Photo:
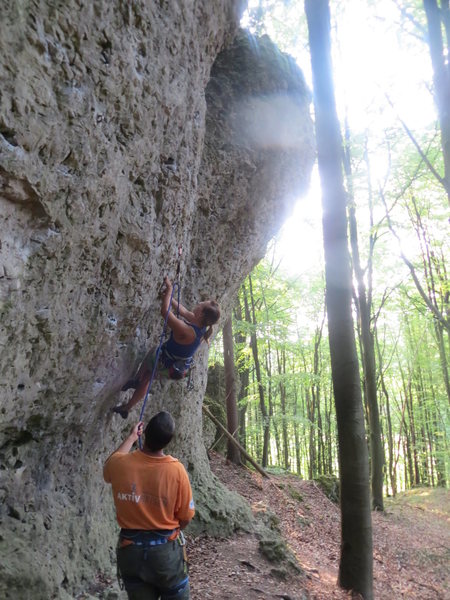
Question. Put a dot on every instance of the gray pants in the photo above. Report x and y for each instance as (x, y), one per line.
(155, 572)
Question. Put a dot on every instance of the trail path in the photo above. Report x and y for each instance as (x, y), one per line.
(411, 545)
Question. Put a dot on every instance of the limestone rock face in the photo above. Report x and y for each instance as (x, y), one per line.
(127, 130)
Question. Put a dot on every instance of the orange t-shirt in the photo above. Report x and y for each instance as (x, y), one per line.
(149, 492)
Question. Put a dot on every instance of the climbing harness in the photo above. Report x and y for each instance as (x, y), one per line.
(146, 538)
(178, 366)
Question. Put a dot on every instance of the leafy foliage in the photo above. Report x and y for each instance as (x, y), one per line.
(401, 211)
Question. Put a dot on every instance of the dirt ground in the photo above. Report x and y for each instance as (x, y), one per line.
(411, 545)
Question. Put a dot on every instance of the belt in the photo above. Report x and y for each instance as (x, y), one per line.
(146, 538)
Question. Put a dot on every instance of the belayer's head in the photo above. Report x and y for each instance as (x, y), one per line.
(159, 431)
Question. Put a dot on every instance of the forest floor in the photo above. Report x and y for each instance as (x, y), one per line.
(411, 544)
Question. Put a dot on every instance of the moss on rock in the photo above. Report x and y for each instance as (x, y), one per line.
(329, 484)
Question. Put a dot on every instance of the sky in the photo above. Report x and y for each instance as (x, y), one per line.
(371, 58)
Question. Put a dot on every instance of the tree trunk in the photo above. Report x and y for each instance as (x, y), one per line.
(368, 344)
(441, 76)
(296, 434)
(312, 437)
(443, 357)
(329, 402)
(440, 452)
(281, 356)
(233, 453)
(390, 437)
(437, 285)
(315, 392)
(244, 377)
(356, 568)
(408, 470)
(320, 443)
(413, 434)
(262, 402)
(272, 421)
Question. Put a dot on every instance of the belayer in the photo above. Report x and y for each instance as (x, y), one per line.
(187, 331)
(153, 501)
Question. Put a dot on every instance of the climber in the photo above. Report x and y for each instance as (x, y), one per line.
(153, 500)
(188, 330)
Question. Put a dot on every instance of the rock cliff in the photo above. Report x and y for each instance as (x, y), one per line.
(127, 129)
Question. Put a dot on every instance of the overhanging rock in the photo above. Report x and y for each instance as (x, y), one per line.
(116, 147)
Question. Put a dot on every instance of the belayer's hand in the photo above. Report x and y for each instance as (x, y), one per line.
(138, 430)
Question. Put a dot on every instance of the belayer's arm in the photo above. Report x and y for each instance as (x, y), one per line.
(127, 444)
(184, 524)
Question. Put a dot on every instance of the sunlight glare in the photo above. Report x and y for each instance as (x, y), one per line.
(299, 243)
(373, 60)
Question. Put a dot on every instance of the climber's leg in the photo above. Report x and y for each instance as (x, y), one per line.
(131, 384)
(142, 382)
(146, 365)
(139, 392)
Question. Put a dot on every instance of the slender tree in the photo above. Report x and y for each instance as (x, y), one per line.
(438, 18)
(389, 434)
(355, 568)
(233, 453)
(364, 303)
(281, 362)
(262, 401)
(243, 370)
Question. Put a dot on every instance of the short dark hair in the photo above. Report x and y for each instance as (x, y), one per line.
(159, 431)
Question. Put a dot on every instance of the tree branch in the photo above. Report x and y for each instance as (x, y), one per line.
(233, 441)
(424, 157)
(437, 314)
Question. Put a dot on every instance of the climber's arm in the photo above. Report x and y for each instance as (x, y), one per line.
(182, 310)
(183, 333)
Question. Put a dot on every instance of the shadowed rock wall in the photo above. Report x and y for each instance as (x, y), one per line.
(116, 147)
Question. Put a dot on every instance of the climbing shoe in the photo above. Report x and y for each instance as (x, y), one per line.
(121, 411)
(131, 384)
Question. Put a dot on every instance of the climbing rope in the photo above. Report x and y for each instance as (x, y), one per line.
(176, 285)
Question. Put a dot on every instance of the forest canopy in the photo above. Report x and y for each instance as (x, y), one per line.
(397, 184)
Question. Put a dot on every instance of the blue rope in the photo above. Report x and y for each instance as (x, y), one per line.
(161, 341)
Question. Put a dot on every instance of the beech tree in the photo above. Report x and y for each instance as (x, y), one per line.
(355, 568)
(258, 373)
(233, 453)
(363, 295)
(243, 370)
(438, 21)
